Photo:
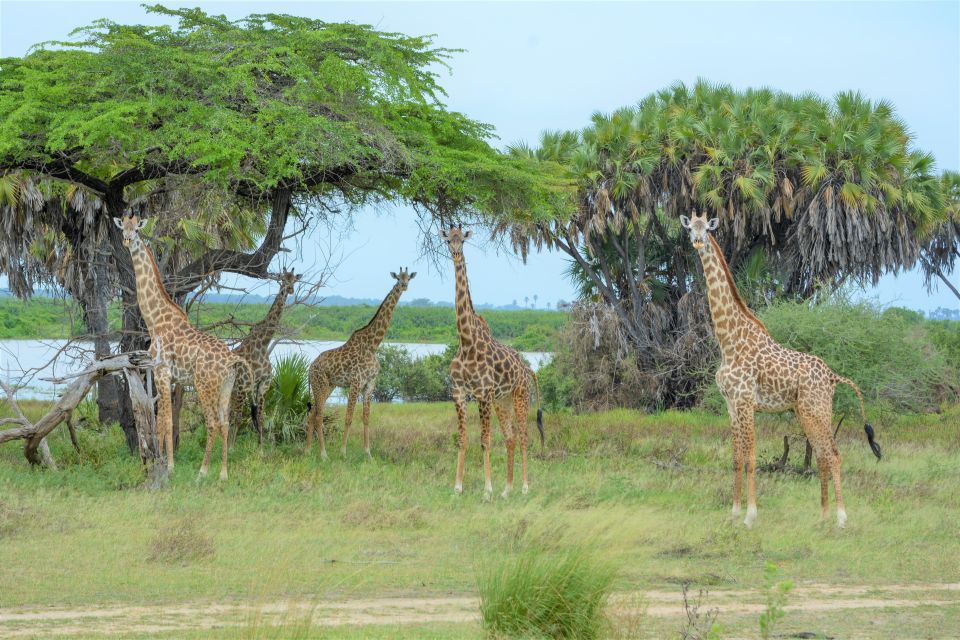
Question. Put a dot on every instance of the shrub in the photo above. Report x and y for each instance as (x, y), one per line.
(561, 594)
(285, 407)
(557, 388)
(395, 362)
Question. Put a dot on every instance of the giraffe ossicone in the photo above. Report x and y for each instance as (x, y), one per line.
(758, 374)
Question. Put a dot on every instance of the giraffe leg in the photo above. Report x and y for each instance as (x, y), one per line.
(208, 404)
(348, 418)
(223, 412)
(737, 459)
(506, 427)
(749, 451)
(367, 397)
(460, 403)
(837, 492)
(161, 378)
(485, 411)
(520, 402)
(824, 468)
(315, 420)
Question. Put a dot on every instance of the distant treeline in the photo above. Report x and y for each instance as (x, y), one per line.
(527, 330)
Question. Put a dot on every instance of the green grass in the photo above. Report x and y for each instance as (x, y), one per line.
(544, 591)
(286, 525)
(527, 330)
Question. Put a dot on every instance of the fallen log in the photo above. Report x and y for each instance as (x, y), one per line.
(130, 365)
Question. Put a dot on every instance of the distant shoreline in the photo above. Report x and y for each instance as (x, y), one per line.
(525, 329)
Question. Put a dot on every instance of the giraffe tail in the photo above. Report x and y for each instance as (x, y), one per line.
(536, 382)
(867, 427)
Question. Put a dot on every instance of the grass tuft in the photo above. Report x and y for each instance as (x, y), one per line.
(558, 594)
(181, 543)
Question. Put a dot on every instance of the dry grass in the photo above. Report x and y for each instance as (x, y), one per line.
(181, 543)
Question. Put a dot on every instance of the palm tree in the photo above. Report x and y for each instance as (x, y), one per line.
(821, 191)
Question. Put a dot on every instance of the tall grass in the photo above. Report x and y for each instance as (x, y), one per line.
(288, 399)
(558, 594)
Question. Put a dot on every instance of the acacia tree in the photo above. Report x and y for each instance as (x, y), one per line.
(810, 192)
(272, 114)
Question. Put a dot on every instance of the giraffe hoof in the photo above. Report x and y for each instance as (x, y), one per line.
(505, 494)
(735, 512)
(458, 489)
(841, 519)
(525, 490)
(487, 495)
(324, 456)
(369, 455)
(751, 517)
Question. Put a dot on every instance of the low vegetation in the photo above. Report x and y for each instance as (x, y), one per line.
(657, 486)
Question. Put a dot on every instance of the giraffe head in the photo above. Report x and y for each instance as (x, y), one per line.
(454, 237)
(403, 278)
(699, 227)
(130, 226)
(287, 280)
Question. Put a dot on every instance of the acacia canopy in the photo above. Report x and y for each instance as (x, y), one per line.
(270, 100)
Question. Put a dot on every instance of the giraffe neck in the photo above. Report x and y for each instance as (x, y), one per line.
(732, 320)
(262, 333)
(466, 316)
(372, 335)
(152, 297)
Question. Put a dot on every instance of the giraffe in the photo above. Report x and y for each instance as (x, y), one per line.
(183, 353)
(758, 374)
(491, 373)
(255, 349)
(352, 366)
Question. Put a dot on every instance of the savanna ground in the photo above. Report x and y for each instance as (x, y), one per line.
(290, 546)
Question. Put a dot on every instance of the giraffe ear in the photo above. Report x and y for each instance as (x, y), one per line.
(393, 275)
(685, 222)
(141, 224)
(713, 224)
(467, 234)
(118, 222)
(413, 275)
(444, 235)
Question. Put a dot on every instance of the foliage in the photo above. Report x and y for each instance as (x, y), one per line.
(557, 388)
(287, 399)
(425, 379)
(557, 594)
(776, 600)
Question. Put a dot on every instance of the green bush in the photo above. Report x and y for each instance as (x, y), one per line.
(558, 594)
(395, 362)
(285, 407)
(556, 387)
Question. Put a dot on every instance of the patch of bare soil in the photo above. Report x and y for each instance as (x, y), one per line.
(169, 618)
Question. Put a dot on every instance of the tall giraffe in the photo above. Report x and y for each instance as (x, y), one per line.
(758, 374)
(184, 353)
(491, 373)
(255, 349)
(352, 366)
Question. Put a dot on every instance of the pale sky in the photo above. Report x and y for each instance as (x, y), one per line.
(535, 66)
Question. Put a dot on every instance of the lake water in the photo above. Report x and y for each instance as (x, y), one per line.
(18, 356)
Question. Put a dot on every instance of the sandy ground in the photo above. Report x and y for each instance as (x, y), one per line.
(170, 618)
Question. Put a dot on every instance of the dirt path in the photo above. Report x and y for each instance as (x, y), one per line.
(93, 620)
